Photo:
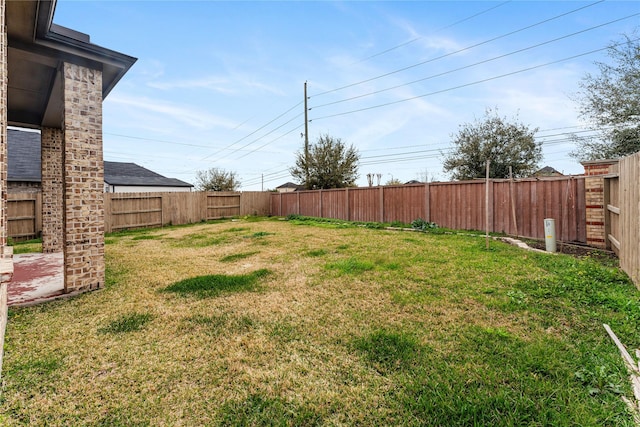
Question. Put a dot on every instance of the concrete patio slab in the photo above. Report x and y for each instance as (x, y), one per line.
(37, 278)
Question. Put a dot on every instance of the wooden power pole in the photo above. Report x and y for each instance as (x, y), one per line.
(306, 139)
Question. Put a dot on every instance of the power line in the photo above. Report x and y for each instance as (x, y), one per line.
(253, 133)
(266, 134)
(434, 32)
(457, 51)
(270, 142)
(467, 84)
(444, 73)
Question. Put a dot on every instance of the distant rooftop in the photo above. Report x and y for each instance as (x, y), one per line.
(24, 164)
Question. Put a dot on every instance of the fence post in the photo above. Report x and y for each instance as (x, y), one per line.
(320, 195)
(346, 197)
(606, 192)
(427, 205)
(381, 203)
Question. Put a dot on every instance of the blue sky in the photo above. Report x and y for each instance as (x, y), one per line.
(220, 84)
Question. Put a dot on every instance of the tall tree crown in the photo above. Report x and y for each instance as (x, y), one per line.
(610, 103)
(504, 143)
(330, 164)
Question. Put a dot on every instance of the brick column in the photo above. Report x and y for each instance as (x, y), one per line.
(6, 261)
(3, 128)
(83, 179)
(594, 200)
(52, 190)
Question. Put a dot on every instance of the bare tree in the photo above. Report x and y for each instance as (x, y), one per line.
(216, 179)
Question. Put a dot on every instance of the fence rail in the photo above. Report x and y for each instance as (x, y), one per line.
(515, 207)
(138, 210)
(24, 215)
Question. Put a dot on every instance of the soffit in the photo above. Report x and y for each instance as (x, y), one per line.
(37, 49)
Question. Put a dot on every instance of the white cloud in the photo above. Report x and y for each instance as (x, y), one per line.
(186, 115)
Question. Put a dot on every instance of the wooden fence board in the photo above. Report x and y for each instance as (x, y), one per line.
(457, 205)
(629, 221)
(24, 218)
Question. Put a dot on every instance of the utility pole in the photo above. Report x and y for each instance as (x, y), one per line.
(306, 138)
(262, 185)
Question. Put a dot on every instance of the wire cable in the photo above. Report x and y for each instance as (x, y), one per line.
(444, 73)
(467, 84)
(457, 51)
(434, 32)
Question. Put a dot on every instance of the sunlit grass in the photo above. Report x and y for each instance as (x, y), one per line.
(337, 324)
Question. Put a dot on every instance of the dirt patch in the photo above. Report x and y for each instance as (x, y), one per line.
(579, 251)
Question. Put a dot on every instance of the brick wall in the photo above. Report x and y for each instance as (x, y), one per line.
(83, 179)
(52, 190)
(594, 199)
(3, 127)
(600, 167)
(6, 263)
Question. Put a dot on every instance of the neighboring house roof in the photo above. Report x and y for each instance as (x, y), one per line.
(291, 185)
(413, 181)
(23, 152)
(24, 162)
(117, 173)
(547, 171)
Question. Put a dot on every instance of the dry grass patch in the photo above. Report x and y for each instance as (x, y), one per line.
(351, 326)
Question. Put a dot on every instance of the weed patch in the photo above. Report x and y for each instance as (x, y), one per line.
(391, 351)
(217, 284)
(198, 240)
(148, 237)
(219, 324)
(259, 235)
(257, 410)
(350, 266)
(27, 246)
(127, 323)
(235, 229)
(236, 257)
(316, 253)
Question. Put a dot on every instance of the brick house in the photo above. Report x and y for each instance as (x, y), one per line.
(54, 79)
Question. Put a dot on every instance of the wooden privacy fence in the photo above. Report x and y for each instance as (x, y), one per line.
(24, 215)
(515, 207)
(622, 215)
(137, 210)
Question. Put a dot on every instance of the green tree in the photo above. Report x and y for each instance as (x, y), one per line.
(331, 164)
(504, 143)
(610, 103)
(216, 179)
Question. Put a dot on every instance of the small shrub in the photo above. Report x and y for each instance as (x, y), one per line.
(422, 225)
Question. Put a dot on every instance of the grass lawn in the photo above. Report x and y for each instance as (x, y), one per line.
(275, 323)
